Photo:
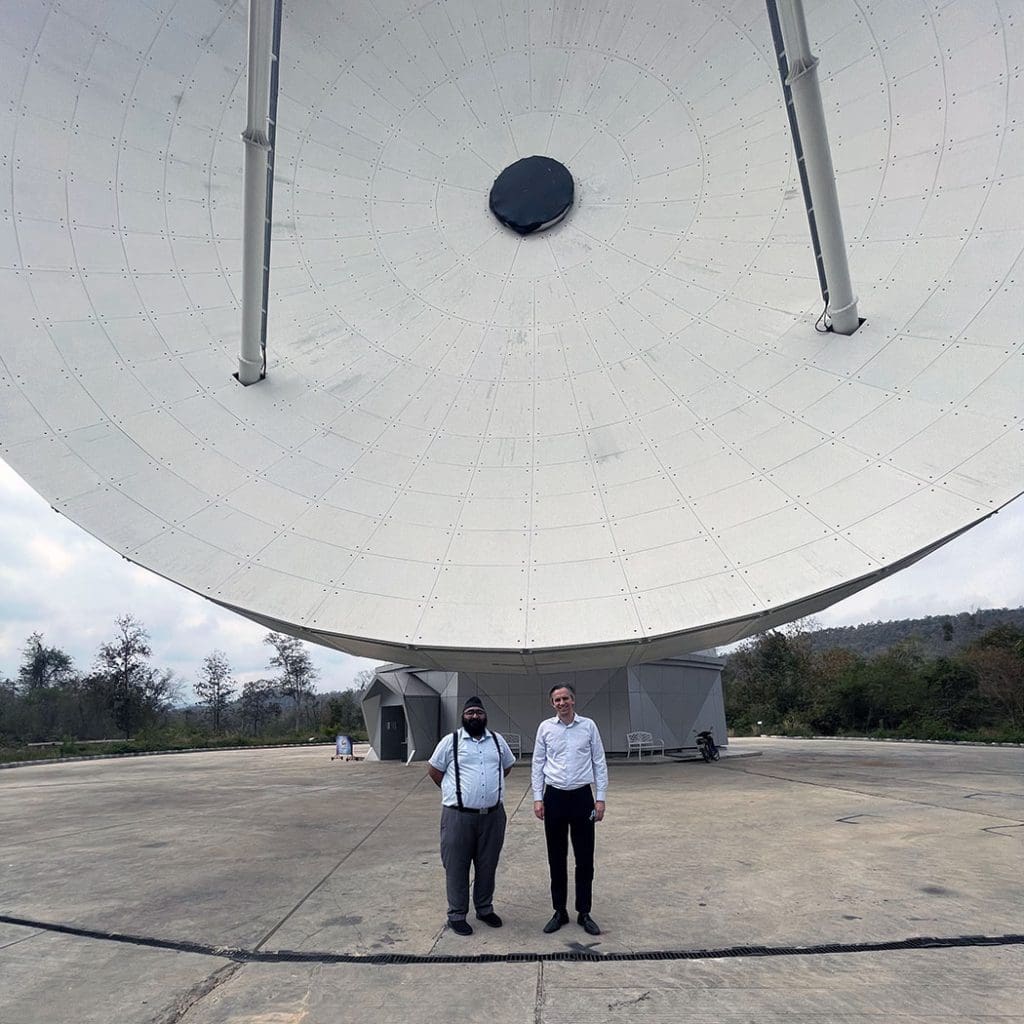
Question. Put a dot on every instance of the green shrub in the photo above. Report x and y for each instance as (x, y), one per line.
(793, 725)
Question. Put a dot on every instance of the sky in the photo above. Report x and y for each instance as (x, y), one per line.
(58, 580)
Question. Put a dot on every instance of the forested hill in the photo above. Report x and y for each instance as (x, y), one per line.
(938, 635)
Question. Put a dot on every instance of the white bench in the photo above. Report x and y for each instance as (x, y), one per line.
(515, 743)
(641, 741)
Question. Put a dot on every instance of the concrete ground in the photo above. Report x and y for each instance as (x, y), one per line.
(814, 842)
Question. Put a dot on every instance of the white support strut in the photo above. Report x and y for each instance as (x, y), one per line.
(254, 216)
(821, 176)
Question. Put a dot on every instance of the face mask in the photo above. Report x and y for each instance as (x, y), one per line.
(474, 726)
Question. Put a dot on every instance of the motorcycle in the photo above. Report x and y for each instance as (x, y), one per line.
(707, 746)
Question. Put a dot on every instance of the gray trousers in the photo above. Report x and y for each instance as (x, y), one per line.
(470, 839)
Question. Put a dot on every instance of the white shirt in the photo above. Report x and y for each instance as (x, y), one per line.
(568, 757)
(480, 772)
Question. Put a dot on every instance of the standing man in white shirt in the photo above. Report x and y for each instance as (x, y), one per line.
(470, 766)
(568, 757)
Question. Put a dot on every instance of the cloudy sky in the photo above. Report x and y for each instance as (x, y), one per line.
(58, 580)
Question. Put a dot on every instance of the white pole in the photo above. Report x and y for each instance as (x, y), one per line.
(821, 176)
(254, 213)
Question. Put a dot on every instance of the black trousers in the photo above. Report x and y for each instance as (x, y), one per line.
(567, 815)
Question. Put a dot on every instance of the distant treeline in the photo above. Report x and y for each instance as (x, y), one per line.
(935, 635)
(793, 682)
(123, 694)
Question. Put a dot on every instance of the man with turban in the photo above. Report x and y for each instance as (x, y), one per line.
(470, 766)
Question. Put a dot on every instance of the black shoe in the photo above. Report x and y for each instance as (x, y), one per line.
(559, 918)
(588, 924)
(492, 919)
(461, 927)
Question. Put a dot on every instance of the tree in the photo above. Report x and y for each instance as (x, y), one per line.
(894, 686)
(913, 686)
(345, 713)
(362, 679)
(42, 676)
(215, 686)
(43, 667)
(9, 709)
(952, 695)
(1000, 675)
(161, 690)
(124, 662)
(297, 670)
(257, 704)
(997, 659)
(768, 680)
(91, 706)
(835, 696)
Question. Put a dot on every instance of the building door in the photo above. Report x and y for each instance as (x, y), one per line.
(392, 733)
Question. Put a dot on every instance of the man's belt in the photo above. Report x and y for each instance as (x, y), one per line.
(474, 810)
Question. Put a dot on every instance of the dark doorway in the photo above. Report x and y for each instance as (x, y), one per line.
(392, 734)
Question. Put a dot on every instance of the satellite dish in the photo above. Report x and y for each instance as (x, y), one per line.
(612, 440)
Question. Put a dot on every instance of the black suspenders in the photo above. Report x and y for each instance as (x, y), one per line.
(455, 758)
(458, 780)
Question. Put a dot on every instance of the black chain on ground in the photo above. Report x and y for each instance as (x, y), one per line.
(564, 956)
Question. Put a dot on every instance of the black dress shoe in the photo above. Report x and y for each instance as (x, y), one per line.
(492, 919)
(461, 927)
(559, 918)
(588, 924)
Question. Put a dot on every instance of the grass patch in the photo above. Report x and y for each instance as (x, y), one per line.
(155, 741)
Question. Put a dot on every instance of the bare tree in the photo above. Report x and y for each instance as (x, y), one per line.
(215, 686)
(362, 679)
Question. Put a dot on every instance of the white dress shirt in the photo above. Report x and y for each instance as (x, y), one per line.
(568, 757)
(480, 771)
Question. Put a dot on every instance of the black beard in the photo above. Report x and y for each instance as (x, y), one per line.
(474, 726)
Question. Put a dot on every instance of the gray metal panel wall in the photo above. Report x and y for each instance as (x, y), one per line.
(674, 701)
(421, 722)
(671, 699)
